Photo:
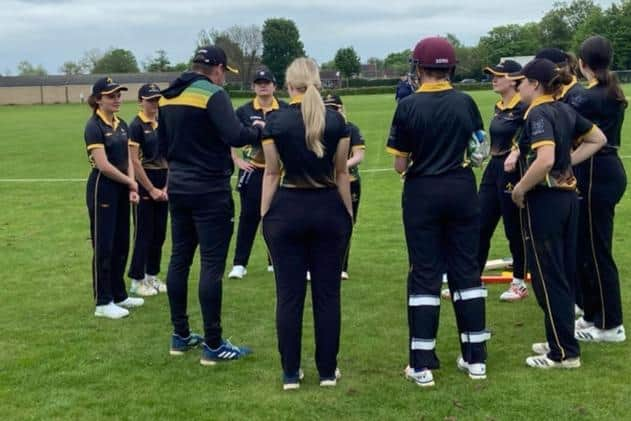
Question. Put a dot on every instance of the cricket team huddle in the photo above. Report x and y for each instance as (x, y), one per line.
(552, 174)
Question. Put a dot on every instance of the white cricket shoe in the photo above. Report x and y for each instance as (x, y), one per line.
(541, 348)
(131, 302)
(142, 288)
(516, 292)
(593, 334)
(330, 382)
(111, 311)
(344, 275)
(308, 276)
(542, 361)
(476, 371)
(578, 312)
(423, 378)
(237, 272)
(582, 324)
(156, 283)
(270, 268)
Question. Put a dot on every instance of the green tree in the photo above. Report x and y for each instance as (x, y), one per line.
(25, 68)
(508, 40)
(158, 63)
(281, 45)
(398, 62)
(117, 61)
(347, 62)
(70, 68)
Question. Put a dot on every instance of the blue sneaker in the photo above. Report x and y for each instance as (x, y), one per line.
(292, 382)
(226, 352)
(180, 345)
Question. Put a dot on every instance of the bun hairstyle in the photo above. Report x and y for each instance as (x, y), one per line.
(303, 75)
(596, 53)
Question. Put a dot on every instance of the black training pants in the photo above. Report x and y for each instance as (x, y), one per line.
(441, 220)
(307, 229)
(108, 207)
(205, 220)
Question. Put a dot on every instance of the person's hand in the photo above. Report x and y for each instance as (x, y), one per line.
(133, 186)
(518, 195)
(165, 193)
(260, 123)
(244, 165)
(157, 195)
(133, 197)
(510, 163)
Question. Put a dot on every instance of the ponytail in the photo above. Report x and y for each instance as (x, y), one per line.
(303, 74)
(609, 80)
(92, 102)
(597, 54)
(313, 112)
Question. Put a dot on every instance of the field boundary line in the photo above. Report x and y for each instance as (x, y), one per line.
(77, 180)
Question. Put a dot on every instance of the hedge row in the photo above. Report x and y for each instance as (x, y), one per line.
(373, 90)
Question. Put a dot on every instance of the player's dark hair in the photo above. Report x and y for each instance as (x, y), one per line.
(92, 102)
(202, 68)
(597, 54)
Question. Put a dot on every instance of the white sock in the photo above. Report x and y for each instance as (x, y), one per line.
(519, 282)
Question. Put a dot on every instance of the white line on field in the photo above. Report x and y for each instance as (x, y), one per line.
(77, 180)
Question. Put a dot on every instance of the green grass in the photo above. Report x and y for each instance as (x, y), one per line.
(57, 361)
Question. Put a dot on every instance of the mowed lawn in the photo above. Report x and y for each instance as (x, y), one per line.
(57, 361)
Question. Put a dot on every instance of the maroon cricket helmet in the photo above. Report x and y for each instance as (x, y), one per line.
(434, 53)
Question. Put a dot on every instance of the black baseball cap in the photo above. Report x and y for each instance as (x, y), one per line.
(540, 69)
(504, 68)
(555, 55)
(264, 74)
(149, 91)
(106, 86)
(214, 56)
(333, 101)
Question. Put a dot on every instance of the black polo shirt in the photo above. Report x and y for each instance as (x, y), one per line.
(554, 123)
(111, 136)
(143, 133)
(605, 112)
(301, 166)
(505, 125)
(248, 113)
(573, 94)
(357, 143)
(432, 128)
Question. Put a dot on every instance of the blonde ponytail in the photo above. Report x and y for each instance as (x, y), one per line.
(303, 74)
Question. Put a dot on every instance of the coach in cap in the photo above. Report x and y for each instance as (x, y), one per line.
(197, 127)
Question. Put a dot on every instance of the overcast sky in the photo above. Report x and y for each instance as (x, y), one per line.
(49, 32)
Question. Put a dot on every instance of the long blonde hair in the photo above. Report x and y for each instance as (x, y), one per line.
(303, 75)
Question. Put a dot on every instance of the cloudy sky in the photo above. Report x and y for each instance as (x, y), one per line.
(49, 32)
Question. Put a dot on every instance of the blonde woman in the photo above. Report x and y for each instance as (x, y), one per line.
(307, 219)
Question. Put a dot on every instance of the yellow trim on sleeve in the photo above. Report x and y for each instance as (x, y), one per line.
(396, 152)
(542, 143)
(584, 135)
(95, 146)
(134, 144)
(268, 141)
(359, 147)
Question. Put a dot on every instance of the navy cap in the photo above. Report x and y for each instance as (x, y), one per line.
(106, 86)
(333, 101)
(149, 91)
(214, 56)
(555, 55)
(504, 68)
(264, 74)
(540, 69)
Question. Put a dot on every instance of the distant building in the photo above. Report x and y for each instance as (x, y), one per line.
(523, 60)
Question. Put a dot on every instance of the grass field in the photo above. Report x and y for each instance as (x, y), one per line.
(57, 361)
